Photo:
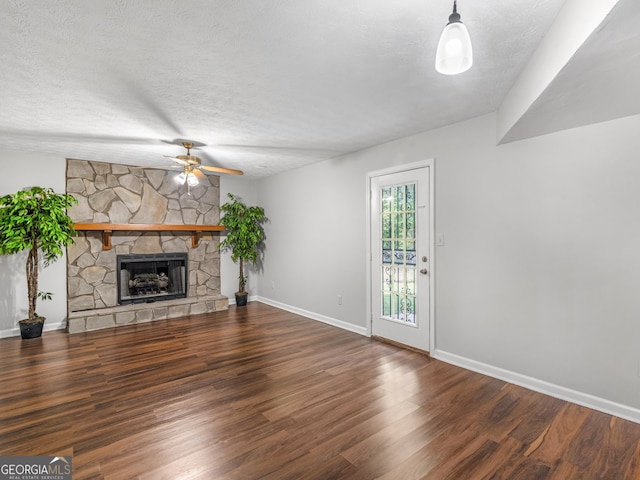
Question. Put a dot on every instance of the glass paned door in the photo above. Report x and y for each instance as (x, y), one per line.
(398, 245)
(400, 257)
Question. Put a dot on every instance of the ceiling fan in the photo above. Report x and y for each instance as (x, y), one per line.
(192, 167)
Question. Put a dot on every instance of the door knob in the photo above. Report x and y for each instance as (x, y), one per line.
(424, 271)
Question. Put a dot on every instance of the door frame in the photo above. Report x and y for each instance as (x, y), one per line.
(430, 163)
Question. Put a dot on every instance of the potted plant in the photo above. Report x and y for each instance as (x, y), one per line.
(36, 220)
(244, 237)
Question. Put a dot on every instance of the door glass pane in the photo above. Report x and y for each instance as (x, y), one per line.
(410, 310)
(411, 197)
(398, 199)
(411, 281)
(387, 197)
(386, 279)
(386, 305)
(386, 225)
(411, 225)
(399, 256)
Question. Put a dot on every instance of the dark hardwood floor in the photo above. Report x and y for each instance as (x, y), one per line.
(259, 393)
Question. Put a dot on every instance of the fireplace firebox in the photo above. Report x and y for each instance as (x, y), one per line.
(151, 277)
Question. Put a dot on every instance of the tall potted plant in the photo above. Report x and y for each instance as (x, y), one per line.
(36, 220)
(244, 237)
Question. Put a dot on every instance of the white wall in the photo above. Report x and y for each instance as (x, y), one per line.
(25, 170)
(229, 271)
(316, 239)
(539, 272)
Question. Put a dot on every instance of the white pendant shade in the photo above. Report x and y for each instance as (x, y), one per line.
(454, 54)
(192, 180)
(181, 178)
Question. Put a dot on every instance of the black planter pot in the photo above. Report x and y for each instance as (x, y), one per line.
(241, 299)
(31, 328)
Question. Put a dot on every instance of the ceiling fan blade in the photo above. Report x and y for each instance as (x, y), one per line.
(199, 174)
(222, 170)
(176, 159)
(156, 167)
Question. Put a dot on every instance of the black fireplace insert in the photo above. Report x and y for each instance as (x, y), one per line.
(147, 278)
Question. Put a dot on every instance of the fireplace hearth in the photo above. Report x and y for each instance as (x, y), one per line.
(148, 278)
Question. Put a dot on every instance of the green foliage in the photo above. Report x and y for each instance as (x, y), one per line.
(244, 233)
(35, 220)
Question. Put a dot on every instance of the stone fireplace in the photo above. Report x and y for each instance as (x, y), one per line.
(123, 195)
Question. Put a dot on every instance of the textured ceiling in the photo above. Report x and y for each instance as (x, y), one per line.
(265, 85)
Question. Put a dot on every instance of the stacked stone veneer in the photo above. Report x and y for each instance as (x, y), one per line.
(112, 193)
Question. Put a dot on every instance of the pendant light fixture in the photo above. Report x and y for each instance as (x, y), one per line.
(454, 54)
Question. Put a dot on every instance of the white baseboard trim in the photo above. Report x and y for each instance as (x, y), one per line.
(586, 400)
(315, 316)
(48, 326)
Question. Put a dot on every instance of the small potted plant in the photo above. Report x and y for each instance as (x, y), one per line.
(243, 225)
(36, 220)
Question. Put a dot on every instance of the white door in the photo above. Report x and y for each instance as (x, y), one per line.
(400, 257)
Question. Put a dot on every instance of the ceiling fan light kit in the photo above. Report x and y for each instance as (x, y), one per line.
(193, 167)
(189, 178)
(455, 53)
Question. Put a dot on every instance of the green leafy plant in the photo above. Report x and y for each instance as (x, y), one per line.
(36, 220)
(244, 234)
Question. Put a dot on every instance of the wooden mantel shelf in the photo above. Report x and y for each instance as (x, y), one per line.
(108, 228)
